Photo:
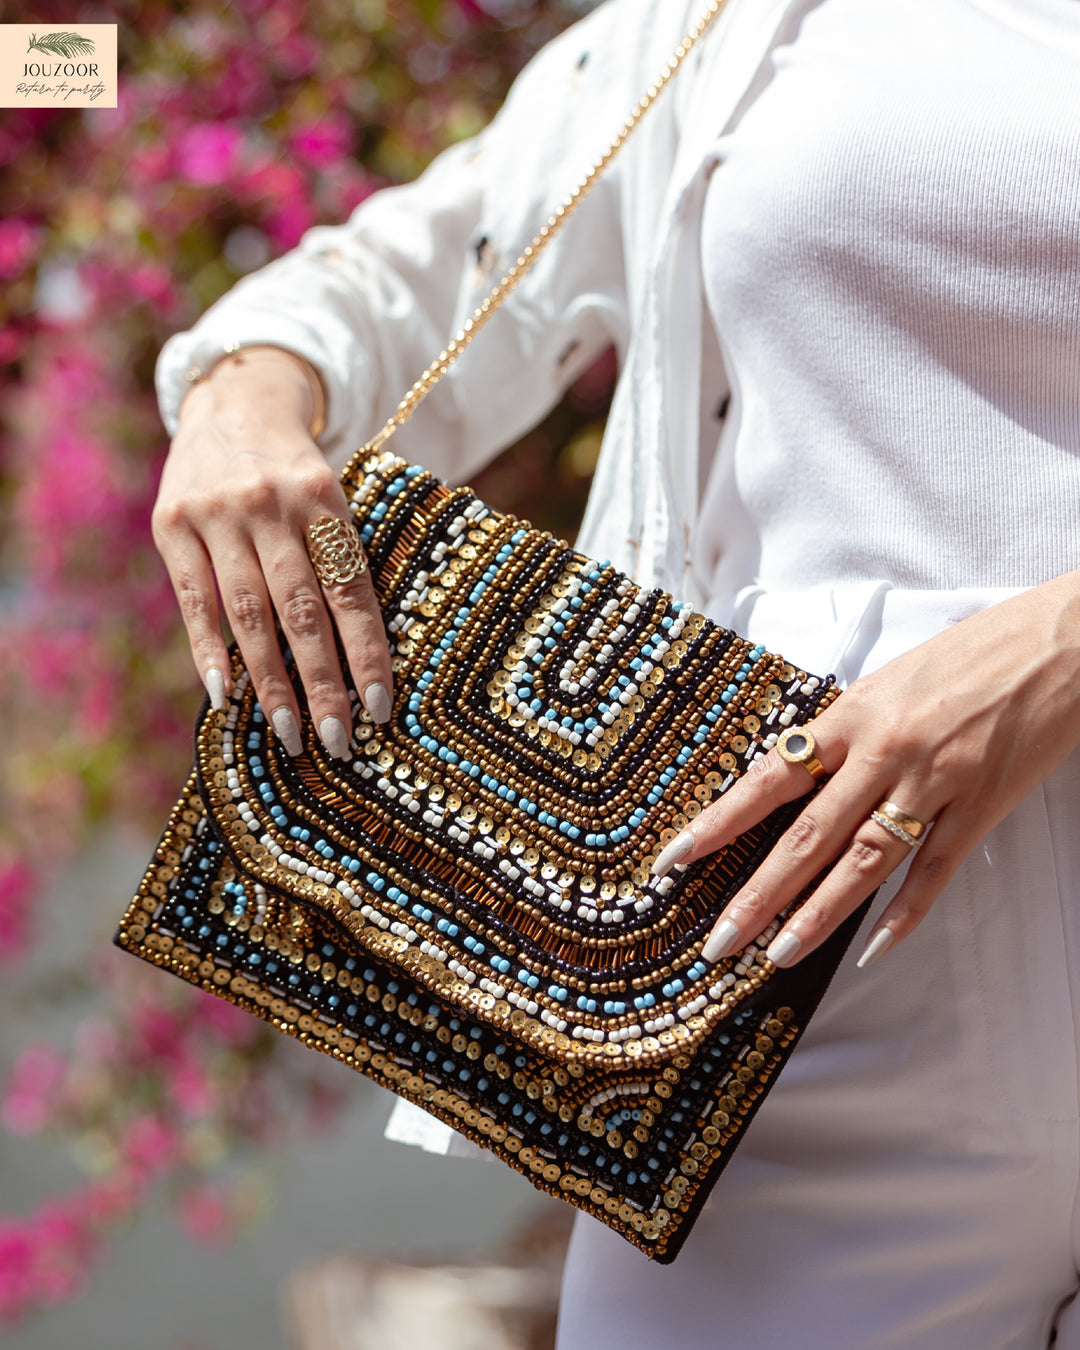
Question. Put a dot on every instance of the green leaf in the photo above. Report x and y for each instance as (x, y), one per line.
(62, 44)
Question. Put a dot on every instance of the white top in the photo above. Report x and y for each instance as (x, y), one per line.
(891, 245)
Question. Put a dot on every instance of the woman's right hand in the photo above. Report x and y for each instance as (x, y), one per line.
(242, 482)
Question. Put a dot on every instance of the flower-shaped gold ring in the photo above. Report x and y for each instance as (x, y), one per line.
(336, 552)
(796, 745)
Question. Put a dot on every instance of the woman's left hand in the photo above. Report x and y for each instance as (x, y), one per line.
(955, 732)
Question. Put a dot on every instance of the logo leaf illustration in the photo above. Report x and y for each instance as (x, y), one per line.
(61, 44)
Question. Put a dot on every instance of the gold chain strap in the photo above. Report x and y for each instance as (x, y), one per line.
(532, 251)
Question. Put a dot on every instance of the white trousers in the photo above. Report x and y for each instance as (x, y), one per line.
(911, 1181)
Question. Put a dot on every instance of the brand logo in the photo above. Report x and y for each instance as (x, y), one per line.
(67, 45)
(50, 68)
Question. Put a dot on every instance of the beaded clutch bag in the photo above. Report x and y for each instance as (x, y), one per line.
(465, 911)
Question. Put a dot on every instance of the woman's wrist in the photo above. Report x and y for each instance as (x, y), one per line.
(269, 371)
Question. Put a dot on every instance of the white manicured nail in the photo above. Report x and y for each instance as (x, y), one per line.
(288, 733)
(215, 687)
(878, 945)
(783, 949)
(722, 941)
(377, 702)
(675, 852)
(335, 738)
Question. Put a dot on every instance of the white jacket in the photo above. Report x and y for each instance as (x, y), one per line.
(371, 301)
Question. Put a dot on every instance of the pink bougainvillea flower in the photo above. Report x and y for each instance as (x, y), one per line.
(192, 1090)
(322, 143)
(16, 1267)
(207, 153)
(32, 1088)
(295, 55)
(288, 222)
(19, 243)
(225, 1021)
(150, 164)
(149, 1142)
(16, 891)
(206, 1215)
(12, 340)
(158, 1034)
(72, 497)
(270, 180)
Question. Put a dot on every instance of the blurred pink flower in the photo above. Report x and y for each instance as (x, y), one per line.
(322, 143)
(225, 1021)
(295, 55)
(205, 1214)
(158, 1034)
(270, 180)
(16, 1267)
(96, 712)
(192, 1090)
(12, 340)
(149, 1142)
(58, 660)
(16, 889)
(32, 1088)
(114, 1198)
(70, 492)
(289, 221)
(96, 1040)
(19, 243)
(208, 153)
(150, 163)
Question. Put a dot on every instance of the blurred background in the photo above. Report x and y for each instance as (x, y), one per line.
(175, 1175)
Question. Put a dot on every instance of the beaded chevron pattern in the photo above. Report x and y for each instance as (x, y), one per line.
(465, 910)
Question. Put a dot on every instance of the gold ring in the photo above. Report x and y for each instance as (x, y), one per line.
(335, 550)
(796, 745)
(898, 830)
(897, 819)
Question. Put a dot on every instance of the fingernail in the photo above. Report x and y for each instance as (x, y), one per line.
(878, 945)
(288, 733)
(675, 852)
(335, 738)
(783, 949)
(377, 702)
(215, 687)
(722, 941)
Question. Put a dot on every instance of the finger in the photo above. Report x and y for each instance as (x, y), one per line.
(301, 608)
(359, 622)
(834, 828)
(248, 609)
(871, 857)
(931, 870)
(769, 784)
(192, 580)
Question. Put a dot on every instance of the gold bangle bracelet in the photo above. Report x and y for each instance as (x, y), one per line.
(318, 393)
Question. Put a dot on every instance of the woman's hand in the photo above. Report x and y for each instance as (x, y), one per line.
(956, 732)
(242, 482)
